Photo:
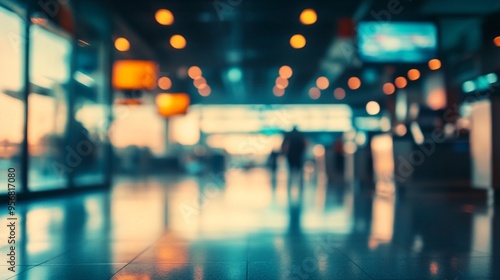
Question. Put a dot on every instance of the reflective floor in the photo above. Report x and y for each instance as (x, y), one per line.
(248, 226)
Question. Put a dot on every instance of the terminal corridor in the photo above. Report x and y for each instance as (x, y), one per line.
(245, 139)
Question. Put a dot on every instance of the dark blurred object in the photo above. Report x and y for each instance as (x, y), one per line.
(338, 149)
(272, 161)
(294, 146)
(217, 162)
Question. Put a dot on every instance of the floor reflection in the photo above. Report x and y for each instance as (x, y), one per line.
(252, 225)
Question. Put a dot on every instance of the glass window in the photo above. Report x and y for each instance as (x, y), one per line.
(51, 160)
(89, 130)
(11, 101)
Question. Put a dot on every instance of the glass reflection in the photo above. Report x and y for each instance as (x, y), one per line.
(11, 85)
(143, 221)
(49, 162)
(89, 124)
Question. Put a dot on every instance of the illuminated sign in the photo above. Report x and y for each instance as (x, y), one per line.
(171, 104)
(134, 74)
(273, 118)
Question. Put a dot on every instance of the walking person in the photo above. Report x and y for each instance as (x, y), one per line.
(294, 147)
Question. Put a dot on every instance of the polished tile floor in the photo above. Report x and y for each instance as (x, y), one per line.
(249, 226)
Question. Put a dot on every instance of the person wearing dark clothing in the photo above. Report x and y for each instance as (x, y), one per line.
(272, 164)
(339, 156)
(272, 161)
(294, 147)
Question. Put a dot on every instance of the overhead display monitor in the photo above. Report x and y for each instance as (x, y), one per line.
(399, 42)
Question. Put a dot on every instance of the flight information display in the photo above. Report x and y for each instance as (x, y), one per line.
(405, 42)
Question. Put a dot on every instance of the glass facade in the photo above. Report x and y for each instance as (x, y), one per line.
(66, 62)
(48, 110)
(89, 125)
(11, 87)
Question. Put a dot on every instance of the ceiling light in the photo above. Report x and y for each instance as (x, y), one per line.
(339, 93)
(205, 91)
(413, 74)
(164, 17)
(308, 17)
(164, 83)
(278, 91)
(400, 82)
(200, 82)
(122, 44)
(297, 41)
(178, 41)
(322, 83)
(354, 83)
(314, 93)
(281, 82)
(496, 41)
(194, 72)
(389, 88)
(434, 64)
(285, 71)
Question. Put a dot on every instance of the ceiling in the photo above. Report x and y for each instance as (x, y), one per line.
(254, 36)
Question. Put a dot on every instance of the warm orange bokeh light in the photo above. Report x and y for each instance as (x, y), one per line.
(436, 99)
(389, 88)
(200, 82)
(354, 83)
(322, 83)
(339, 93)
(122, 44)
(164, 17)
(278, 91)
(308, 17)
(205, 91)
(496, 41)
(178, 42)
(297, 41)
(413, 74)
(281, 82)
(314, 93)
(285, 71)
(194, 72)
(400, 82)
(169, 105)
(164, 83)
(400, 129)
(134, 74)
(434, 64)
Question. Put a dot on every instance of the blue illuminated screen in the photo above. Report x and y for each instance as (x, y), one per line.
(407, 42)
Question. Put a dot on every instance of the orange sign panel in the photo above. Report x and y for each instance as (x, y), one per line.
(134, 74)
(171, 104)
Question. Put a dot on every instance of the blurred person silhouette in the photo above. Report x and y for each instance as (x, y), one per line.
(272, 161)
(293, 147)
(272, 164)
(338, 149)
